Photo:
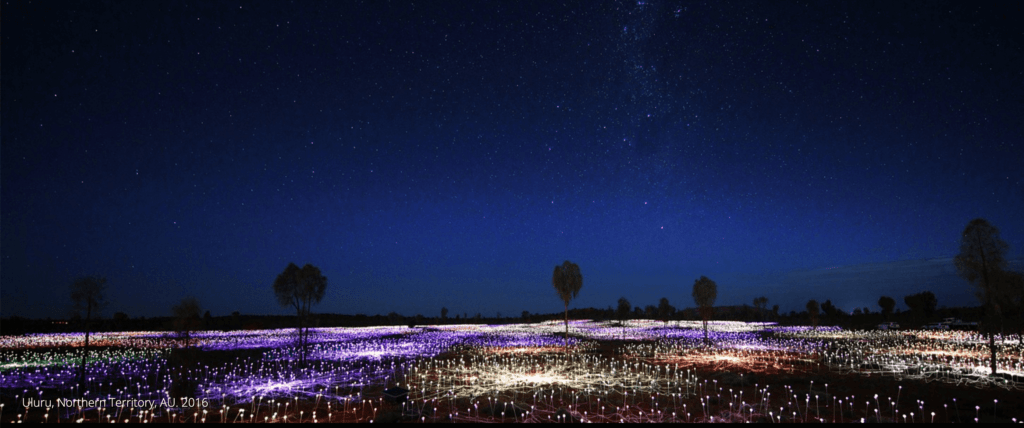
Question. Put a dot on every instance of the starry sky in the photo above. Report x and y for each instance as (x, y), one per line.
(429, 154)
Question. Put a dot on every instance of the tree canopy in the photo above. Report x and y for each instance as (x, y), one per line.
(567, 281)
(761, 303)
(813, 310)
(923, 303)
(186, 317)
(623, 309)
(665, 310)
(887, 304)
(300, 289)
(705, 291)
(982, 252)
(88, 293)
(188, 308)
(982, 263)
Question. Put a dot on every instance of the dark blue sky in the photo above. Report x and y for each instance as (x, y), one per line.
(438, 154)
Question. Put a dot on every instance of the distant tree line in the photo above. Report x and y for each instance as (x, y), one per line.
(981, 262)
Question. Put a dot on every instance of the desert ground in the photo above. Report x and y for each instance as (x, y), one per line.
(605, 371)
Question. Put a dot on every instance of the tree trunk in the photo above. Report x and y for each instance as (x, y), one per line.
(85, 349)
(85, 355)
(705, 322)
(302, 338)
(992, 351)
(305, 331)
(305, 336)
(567, 328)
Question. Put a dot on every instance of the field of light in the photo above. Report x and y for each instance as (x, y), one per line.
(640, 370)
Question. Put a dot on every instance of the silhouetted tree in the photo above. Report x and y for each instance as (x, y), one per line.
(622, 312)
(623, 309)
(300, 289)
(928, 303)
(980, 262)
(186, 318)
(665, 310)
(912, 303)
(775, 312)
(444, 313)
(921, 304)
(829, 309)
(761, 303)
(886, 303)
(567, 281)
(705, 291)
(812, 310)
(526, 316)
(88, 294)
(650, 312)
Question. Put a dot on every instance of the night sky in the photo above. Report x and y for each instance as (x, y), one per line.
(435, 154)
